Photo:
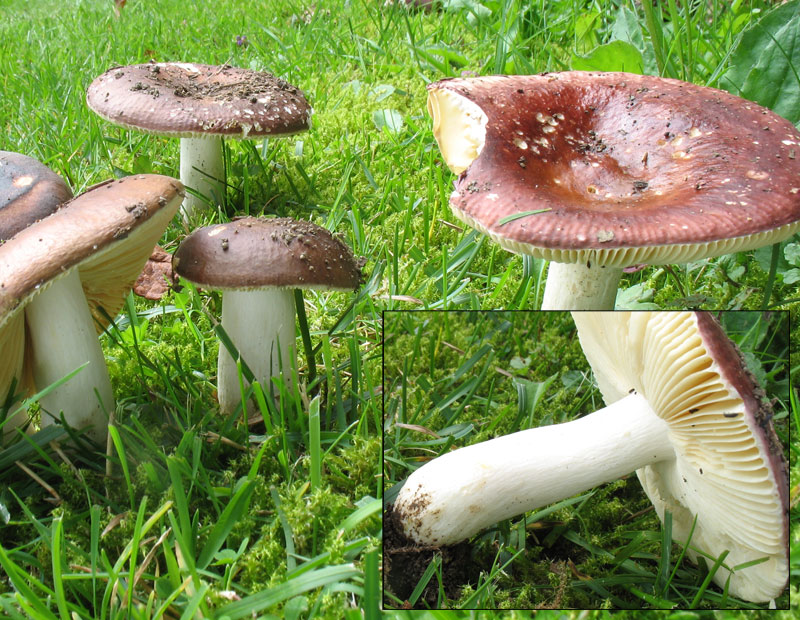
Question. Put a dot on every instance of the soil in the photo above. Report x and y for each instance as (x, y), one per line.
(404, 563)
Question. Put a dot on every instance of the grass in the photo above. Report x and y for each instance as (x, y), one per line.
(193, 514)
(455, 379)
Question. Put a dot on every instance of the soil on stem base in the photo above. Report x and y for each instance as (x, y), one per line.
(404, 563)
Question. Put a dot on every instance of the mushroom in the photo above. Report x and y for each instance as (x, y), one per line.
(201, 104)
(682, 410)
(601, 171)
(257, 263)
(60, 278)
(29, 191)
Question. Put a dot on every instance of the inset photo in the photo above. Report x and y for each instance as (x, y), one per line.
(586, 460)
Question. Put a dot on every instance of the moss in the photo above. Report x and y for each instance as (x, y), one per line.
(350, 469)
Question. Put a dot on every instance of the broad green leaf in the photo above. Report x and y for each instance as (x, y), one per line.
(765, 66)
(791, 276)
(792, 253)
(613, 56)
(391, 120)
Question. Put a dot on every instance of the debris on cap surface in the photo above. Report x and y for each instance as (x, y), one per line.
(192, 100)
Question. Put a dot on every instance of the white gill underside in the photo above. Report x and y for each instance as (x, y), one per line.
(721, 474)
(459, 127)
(12, 345)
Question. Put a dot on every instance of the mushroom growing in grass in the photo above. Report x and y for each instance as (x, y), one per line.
(257, 264)
(596, 172)
(29, 191)
(62, 276)
(201, 105)
(682, 411)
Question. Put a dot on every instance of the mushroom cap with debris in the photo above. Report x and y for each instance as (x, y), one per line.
(106, 234)
(616, 169)
(251, 253)
(192, 100)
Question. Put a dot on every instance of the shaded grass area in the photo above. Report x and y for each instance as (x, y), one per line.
(458, 378)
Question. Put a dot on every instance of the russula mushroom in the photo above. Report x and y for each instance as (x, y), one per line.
(200, 104)
(682, 411)
(600, 171)
(257, 263)
(61, 276)
(29, 191)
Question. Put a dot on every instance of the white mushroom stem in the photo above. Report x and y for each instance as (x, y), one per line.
(462, 492)
(63, 338)
(260, 324)
(202, 170)
(574, 286)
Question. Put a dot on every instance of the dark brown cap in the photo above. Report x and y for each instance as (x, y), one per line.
(618, 168)
(29, 191)
(108, 231)
(252, 253)
(191, 100)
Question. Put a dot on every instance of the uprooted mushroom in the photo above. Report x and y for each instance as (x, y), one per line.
(682, 411)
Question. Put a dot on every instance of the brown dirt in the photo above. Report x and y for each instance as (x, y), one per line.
(404, 563)
(224, 83)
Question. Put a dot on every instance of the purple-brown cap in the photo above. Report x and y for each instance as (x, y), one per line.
(252, 253)
(29, 191)
(616, 168)
(191, 100)
(108, 231)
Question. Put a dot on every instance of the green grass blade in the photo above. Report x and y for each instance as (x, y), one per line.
(359, 515)
(56, 563)
(232, 514)
(119, 446)
(251, 605)
(371, 603)
(288, 536)
(19, 579)
(314, 447)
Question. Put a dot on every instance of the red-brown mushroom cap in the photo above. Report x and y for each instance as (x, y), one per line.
(252, 253)
(624, 168)
(191, 100)
(29, 191)
(107, 233)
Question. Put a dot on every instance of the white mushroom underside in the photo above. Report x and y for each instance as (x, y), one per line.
(63, 338)
(626, 257)
(459, 126)
(260, 323)
(721, 474)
